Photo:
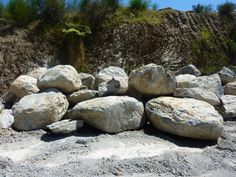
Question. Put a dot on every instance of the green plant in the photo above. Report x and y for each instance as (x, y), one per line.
(226, 10)
(1, 9)
(154, 7)
(74, 43)
(199, 8)
(137, 5)
(19, 11)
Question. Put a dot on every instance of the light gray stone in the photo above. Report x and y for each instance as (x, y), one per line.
(82, 95)
(24, 85)
(185, 117)
(87, 80)
(230, 88)
(189, 69)
(39, 110)
(37, 72)
(111, 114)
(152, 80)
(109, 88)
(228, 106)
(199, 94)
(63, 77)
(6, 118)
(113, 73)
(210, 83)
(1, 106)
(226, 75)
(65, 126)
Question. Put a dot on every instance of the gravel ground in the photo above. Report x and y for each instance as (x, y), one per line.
(142, 153)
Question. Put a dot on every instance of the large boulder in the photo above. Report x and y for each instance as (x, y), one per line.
(210, 83)
(152, 80)
(189, 69)
(111, 114)
(228, 107)
(63, 77)
(230, 88)
(24, 85)
(113, 73)
(226, 75)
(88, 80)
(6, 118)
(82, 95)
(39, 110)
(199, 94)
(185, 117)
(65, 126)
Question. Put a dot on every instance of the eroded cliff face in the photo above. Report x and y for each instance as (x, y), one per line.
(168, 43)
(126, 45)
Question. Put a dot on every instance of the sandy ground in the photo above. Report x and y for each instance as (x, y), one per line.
(142, 153)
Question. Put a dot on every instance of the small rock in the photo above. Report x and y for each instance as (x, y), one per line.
(228, 108)
(63, 77)
(189, 69)
(109, 88)
(87, 80)
(230, 88)
(82, 95)
(24, 85)
(6, 118)
(185, 117)
(152, 80)
(226, 75)
(37, 111)
(65, 126)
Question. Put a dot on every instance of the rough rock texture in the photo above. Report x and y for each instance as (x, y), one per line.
(37, 72)
(39, 110)
(6, 118)
(110, 73)
(63, 77)
(87, 80)
(210, 83)
(24, 85)
(65, 126)
(111, 114)
(82, 95)
(185, 117)
(230, 88)
(199, 94)
(226, 75)
(152, 80)
(111, 87)
(21, 50)
(189, 69)
(228, 106)
(1, 106)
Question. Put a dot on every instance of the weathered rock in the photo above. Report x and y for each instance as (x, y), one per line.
(210, 83)
(199, 94)
(114, 73)
(87, 80)
(185, 117)
(6, 118)
(226, 75)
(63, 77)
(152, 80)
(111, 114)
(39, 110)
(82, 95)
(109, 88)
(230, 88)
(1, 106)
(9, 98)
(228, 108)
(65, 126)
(189, 69)
(24, 85)
(37, 72)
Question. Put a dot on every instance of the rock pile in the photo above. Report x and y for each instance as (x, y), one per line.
(60, 99)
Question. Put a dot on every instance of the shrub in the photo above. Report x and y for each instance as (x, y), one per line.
(1, 9)
(199, 8)
(19, 11)
(138, 5)
(226, 10)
